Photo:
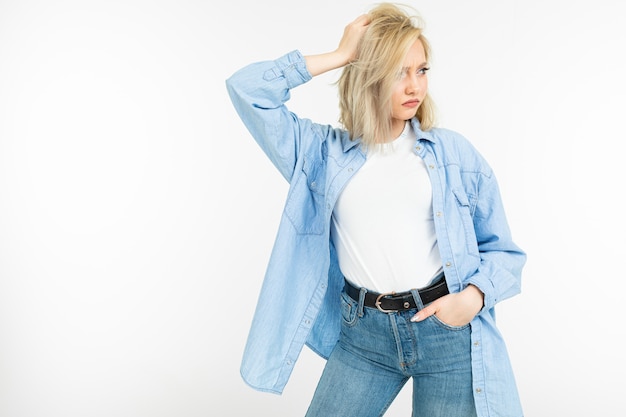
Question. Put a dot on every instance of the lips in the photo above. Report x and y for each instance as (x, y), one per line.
(411, 103)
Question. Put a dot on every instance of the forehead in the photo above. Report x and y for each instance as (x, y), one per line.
(416, 55)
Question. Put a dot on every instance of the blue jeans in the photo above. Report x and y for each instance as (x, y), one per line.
(378, 352)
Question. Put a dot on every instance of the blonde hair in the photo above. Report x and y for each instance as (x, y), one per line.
(365, 84)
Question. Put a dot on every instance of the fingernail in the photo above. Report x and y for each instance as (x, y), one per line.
(415, 318)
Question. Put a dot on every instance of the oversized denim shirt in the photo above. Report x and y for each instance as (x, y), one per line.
(299, 299)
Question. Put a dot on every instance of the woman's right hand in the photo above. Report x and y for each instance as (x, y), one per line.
(345, 52)
(352, 35)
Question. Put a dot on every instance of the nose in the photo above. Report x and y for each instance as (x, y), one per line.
(412, 84)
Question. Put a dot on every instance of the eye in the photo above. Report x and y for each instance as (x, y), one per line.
(404, 72)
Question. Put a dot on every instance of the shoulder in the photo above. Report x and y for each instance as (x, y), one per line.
(325, 140)
(450, 138)
(455, 148)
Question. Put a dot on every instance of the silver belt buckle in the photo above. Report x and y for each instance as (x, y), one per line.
(378, 302)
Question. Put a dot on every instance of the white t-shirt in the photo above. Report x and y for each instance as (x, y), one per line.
(382, 225)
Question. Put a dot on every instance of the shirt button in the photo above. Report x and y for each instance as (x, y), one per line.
(313, 184)
(448, 263)
(417, 148)
(431, 166)
(438, 214)
(476, 343)
(350, 169)
(478, 390)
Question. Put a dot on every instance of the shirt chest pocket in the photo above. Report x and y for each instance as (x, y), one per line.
(465, 205)
(306, 202)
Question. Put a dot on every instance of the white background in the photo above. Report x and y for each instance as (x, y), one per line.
(137, 214)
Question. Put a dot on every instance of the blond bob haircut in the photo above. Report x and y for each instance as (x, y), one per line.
(365, 84)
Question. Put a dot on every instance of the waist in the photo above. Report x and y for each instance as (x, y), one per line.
(391, 302)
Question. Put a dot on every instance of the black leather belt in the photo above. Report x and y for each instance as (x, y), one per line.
(391, 302)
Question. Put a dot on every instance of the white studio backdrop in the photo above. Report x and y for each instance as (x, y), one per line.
(137, 215)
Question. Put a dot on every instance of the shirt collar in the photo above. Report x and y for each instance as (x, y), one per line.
(349, 143)
(420, 133)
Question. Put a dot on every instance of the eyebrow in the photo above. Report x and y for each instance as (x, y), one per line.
(422, 65)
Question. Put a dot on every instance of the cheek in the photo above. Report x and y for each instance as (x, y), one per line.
(397, 97)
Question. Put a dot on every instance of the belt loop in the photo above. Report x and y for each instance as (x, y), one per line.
(361, 301)
(418, 300)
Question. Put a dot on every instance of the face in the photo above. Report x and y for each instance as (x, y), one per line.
(410, 88)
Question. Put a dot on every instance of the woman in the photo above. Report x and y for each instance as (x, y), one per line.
(393, 247)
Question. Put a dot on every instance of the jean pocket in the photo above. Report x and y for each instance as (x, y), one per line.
(349, 310)
(447, 326)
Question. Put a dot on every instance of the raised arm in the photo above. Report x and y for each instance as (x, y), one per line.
(260, 91)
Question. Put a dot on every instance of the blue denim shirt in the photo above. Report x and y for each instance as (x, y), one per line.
(299, 299)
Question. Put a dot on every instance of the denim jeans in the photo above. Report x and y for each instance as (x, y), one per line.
(378, 353)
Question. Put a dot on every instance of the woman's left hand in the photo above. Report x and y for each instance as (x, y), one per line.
(454, 309)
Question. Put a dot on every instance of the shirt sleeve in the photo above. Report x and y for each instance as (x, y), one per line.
(259, 92)
(501, 260)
